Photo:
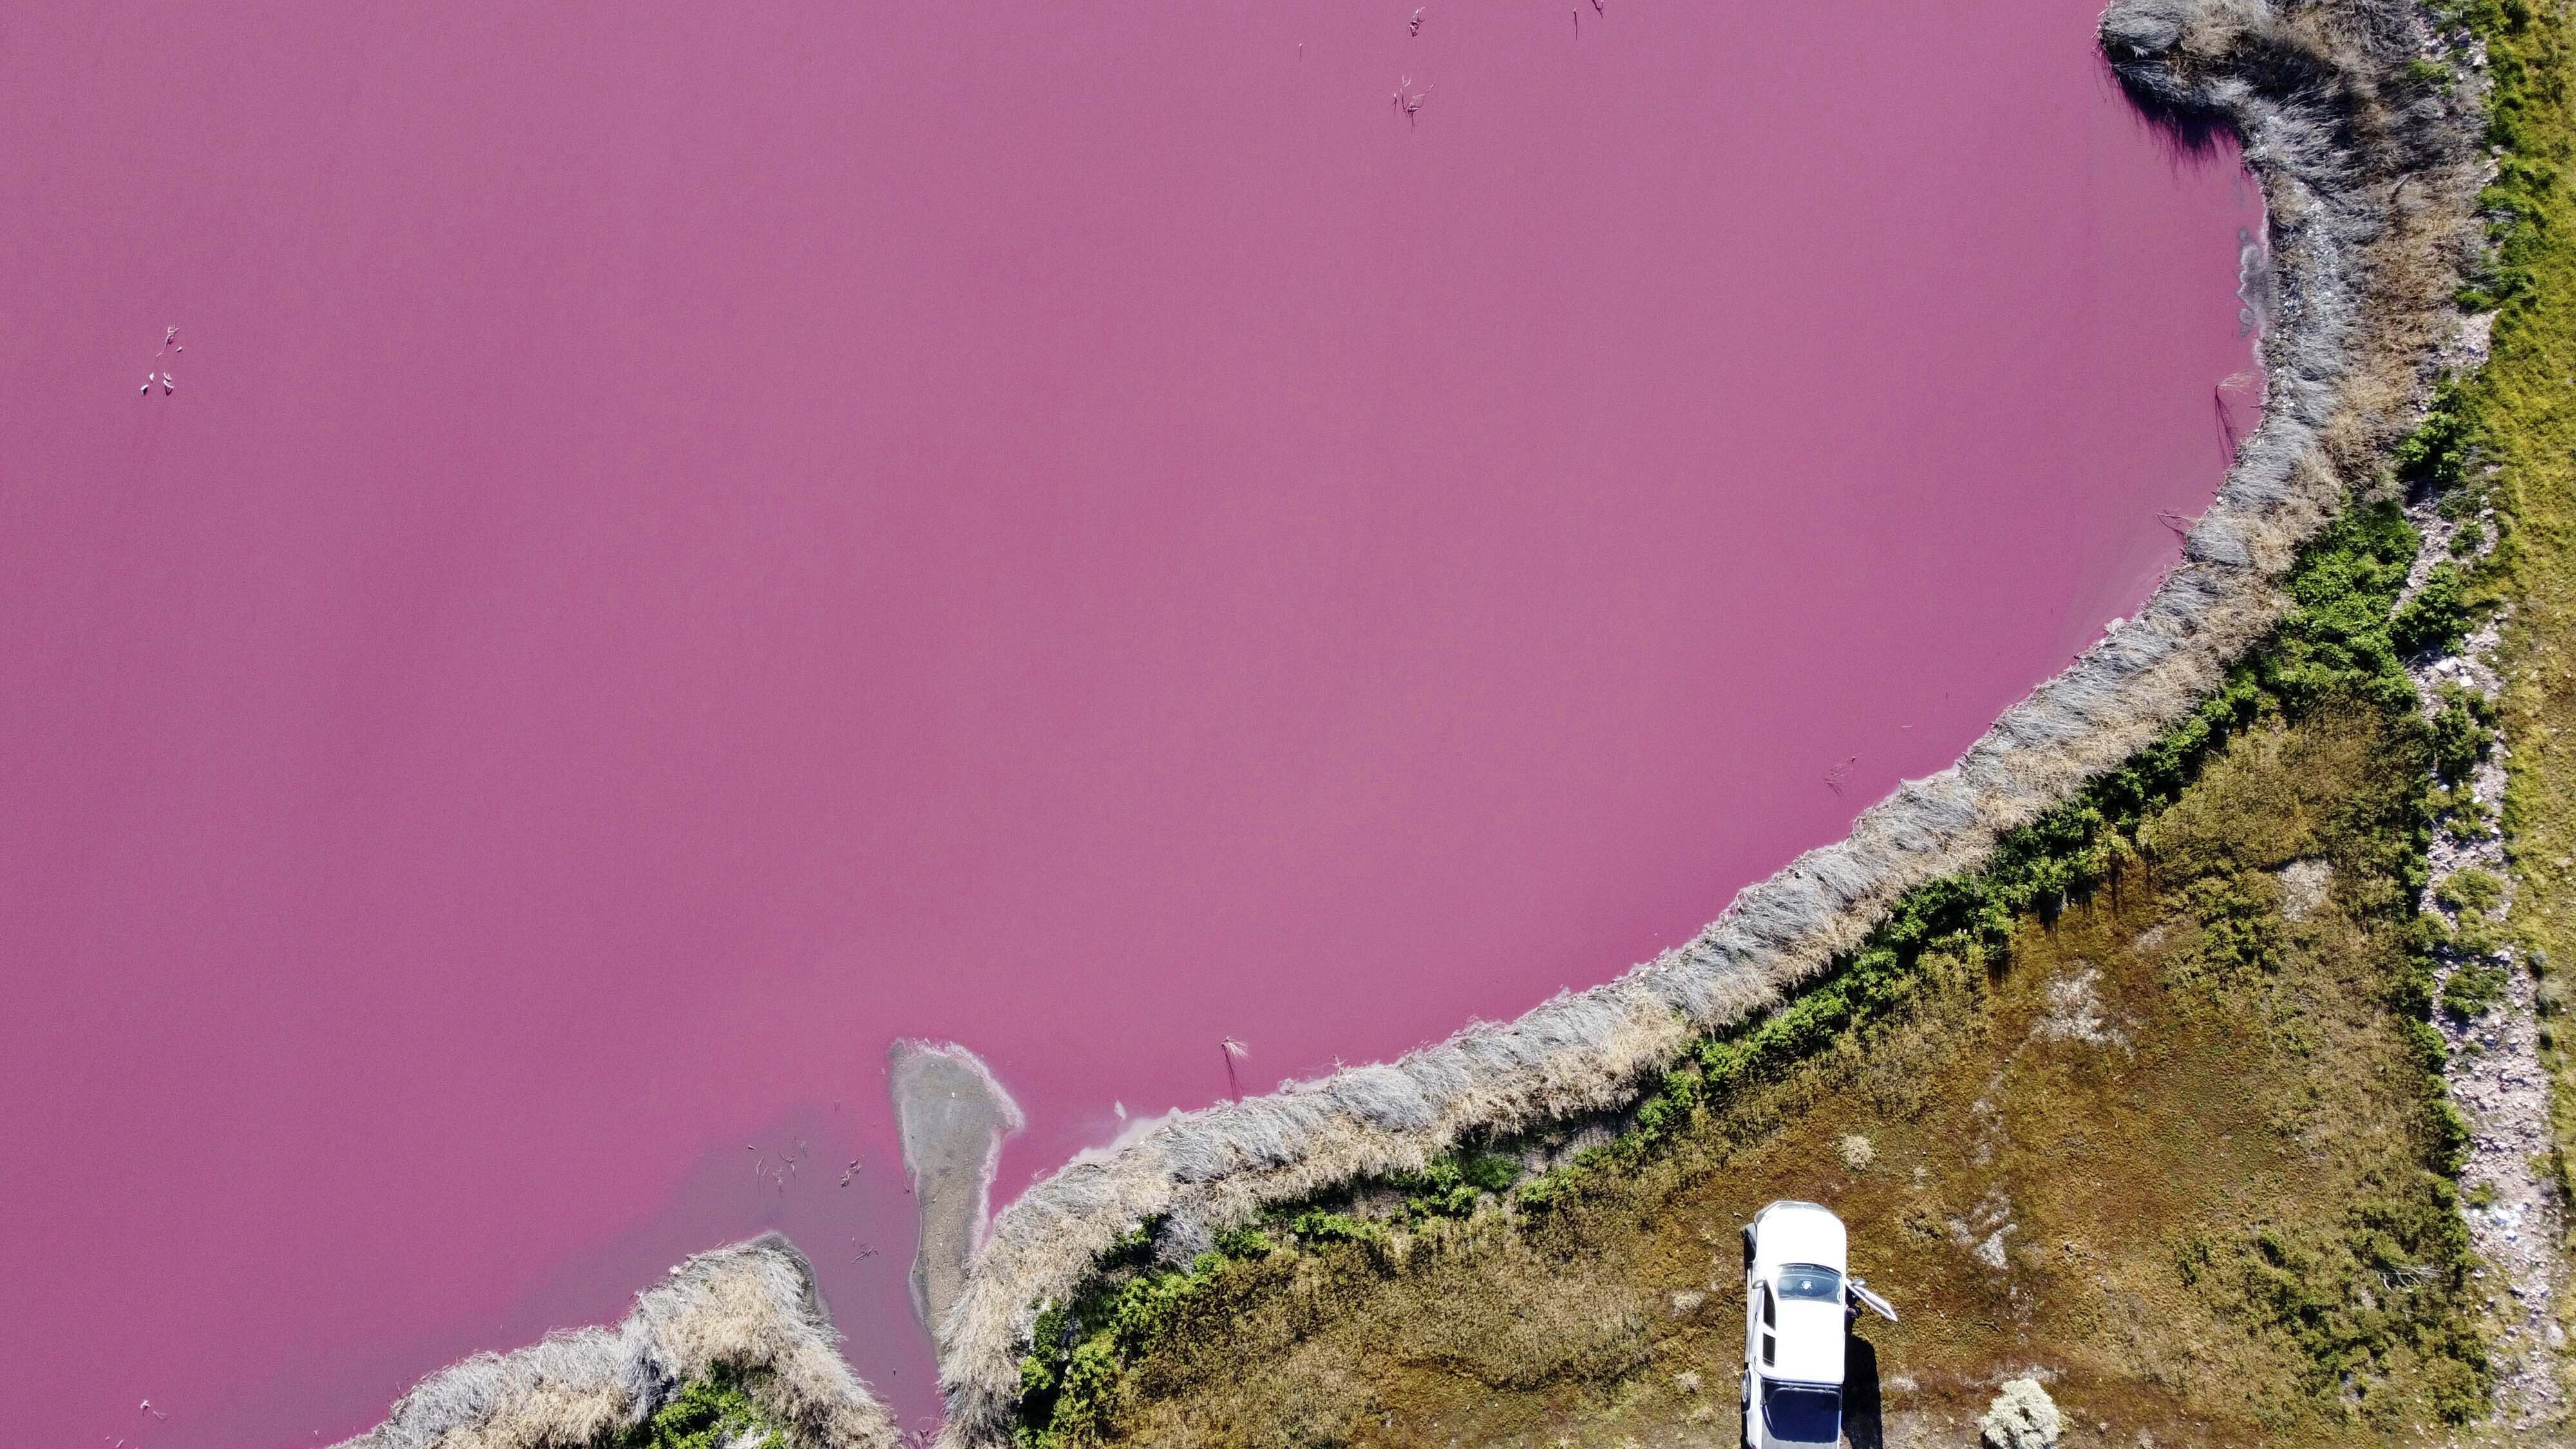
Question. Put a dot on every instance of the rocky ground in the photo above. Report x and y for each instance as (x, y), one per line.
(2495, 1073)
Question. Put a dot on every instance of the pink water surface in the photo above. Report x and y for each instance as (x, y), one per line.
(691, 541)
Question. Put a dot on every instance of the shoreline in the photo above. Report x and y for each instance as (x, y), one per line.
(748, 1312)
(2360, 270)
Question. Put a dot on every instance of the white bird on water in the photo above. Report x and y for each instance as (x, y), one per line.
(169, 343)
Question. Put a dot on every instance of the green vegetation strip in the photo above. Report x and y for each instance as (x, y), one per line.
(710, 1413)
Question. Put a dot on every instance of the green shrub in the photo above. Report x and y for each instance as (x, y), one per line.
(2470, 892)
(2463, 734)
(2356, 1295)
(2437, 618)
(1318, 1226)
(707, 1413)
(1245, 1242)
(2473, 987)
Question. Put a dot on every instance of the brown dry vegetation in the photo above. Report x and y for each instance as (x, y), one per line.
(2199, 1208)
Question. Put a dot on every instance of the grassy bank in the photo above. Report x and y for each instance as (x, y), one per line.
(2150, 1102)
(2175, 1142)
(2520, 445)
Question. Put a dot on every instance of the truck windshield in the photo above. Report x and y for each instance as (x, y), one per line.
(1803, 1414)
(1823, 1285)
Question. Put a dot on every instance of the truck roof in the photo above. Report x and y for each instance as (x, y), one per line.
(1810, 1345)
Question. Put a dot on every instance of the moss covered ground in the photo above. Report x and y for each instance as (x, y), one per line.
(2519, 428)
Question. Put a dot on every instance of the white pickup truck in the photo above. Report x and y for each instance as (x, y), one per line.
(1798, 1312)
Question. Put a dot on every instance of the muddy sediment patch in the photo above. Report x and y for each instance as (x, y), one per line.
(953, 1116)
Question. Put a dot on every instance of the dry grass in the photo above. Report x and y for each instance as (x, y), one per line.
(2526, 411)
(2200, 1129)
(736, 1334)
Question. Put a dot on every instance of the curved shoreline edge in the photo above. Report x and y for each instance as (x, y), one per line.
(750, 1310)
(2370, 204)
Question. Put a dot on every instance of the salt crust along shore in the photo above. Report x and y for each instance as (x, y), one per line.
(2370, 218)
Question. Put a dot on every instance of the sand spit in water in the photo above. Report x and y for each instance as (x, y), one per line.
(2370, 202)
(752, 1305)
(952, 1116)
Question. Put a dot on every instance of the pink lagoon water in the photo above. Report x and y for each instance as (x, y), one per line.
(686, 546)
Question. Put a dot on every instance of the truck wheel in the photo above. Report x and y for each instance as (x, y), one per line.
(1744, 1402)
(1748, 1247)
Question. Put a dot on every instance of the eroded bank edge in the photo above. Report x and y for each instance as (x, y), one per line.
(737, 1337)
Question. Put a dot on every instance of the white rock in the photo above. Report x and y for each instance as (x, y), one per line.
(2021, 1417)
